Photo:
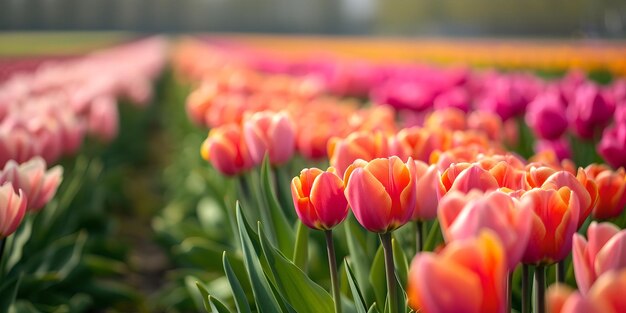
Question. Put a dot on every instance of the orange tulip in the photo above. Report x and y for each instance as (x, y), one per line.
(319, 198)
(359, 145)
(418, 143)
(554, 222)
(381, 193)
(448, 118)
(611, 190)
(464, 177)
(467, 276)
(606, 296)
(429, 190)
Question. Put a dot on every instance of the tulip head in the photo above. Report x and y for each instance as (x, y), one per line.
(33, 178)
(319, 198)
(381, 193)
(554, 221)
(611, 190)
(271, 133)
(467, 276)
(429, 190)
(226, 150)
(603, 251)
(612, 146)
(12, 209)
(358, 145)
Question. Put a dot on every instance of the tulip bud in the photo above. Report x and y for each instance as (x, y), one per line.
(38, 184)
(358, 145)
(12, 209)
(271, 133)
(226, 150)
(611, 190)
(319, 198)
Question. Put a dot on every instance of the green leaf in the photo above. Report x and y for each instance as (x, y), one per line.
(401, 263)
(301, 251)
(238, 294)
(284, 232)
(265, 300)
(303, 294)
(217, 306)
(205, 296)
(8, 292)
(433, 238)
(358, 256)
(378, 279)
(359, 301)
(201, 252)
(20, 238)
(373, 308)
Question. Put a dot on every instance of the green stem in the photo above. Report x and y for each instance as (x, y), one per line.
(419, 236)
(332, 263)
(540, 296)
(385, 239)
(560, 271)
(3, 242)
(525, 288)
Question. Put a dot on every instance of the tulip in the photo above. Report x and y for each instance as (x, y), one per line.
(560, 147)
(382, 192)
(320, 203)
(12, 210)
(359, 145)
(464, 177)
(418, 143)
(463, 216)
(271, 133)
(319, 198)
(590, 111)
(429, 190)
(611, 190)
(457, 98)
(488, 123)
(612, 146)
(199, 102)
(226, 150)
(103, 120)
(545, 116)
(38, 184)
(467, 276)
(605, 251)
(554, 222)
(585, 189)
(606, 296)
(449, 118)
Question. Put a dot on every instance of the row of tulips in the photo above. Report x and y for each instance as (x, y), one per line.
(45, 114)
(589, 108)
(48, 111)
(495, 209)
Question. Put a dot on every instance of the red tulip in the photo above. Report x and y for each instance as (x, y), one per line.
(319, 198)
(381, 193)
(226, 150)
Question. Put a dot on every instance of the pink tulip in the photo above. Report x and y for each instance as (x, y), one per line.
(468, 276)
(590, 111)
(612, 146)
(454, 98)
(464, 216)
(604, 251)
(12, 209)
(465, 177)
(319, 198)
(381, 193)
(37, 183)
(545, 116)
(606, 296)
(429, 190)
(272, 133)
(103, 120)
(358, 145)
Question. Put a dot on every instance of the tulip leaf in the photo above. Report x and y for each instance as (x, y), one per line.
(284, 232)
(401, 263)
(19, 240)
(433, 238)
(238, 294)
(205, 296)
(265, 299)
(301, 250)
(373, 308)
(8, 292)
(378, 279)
(217, 306)
(302, 293)
(359, 302)
(358, 256)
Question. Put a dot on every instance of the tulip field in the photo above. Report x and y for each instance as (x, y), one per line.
(258, 173)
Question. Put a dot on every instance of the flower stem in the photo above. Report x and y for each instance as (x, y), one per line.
(419, 236)
(509, 291)
(525, 289)
(540, 279)
(3, 242)
(385, 239)
(332, 263)
(560, 271)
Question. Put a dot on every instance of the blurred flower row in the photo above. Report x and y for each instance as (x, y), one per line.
(433, 148)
